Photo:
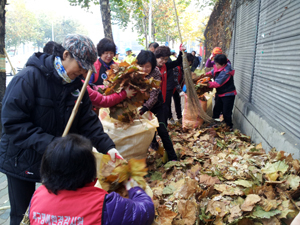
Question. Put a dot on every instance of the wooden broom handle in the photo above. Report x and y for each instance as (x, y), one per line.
(13, 69)
(78, 101)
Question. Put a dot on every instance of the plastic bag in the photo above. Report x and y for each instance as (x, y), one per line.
(131, 140)
(189, 121)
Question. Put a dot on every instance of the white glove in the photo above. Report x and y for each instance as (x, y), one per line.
(130, 92)
(181, 94)
(114, 154)
(211, 56)
(130, 184)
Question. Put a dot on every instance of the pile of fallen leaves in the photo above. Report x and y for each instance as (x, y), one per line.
(222, 178)
(201, 90)
(121, 76)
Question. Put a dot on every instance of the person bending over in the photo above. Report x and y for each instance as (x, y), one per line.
(68, 196)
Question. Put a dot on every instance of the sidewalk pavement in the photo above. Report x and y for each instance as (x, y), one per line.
(4, 214)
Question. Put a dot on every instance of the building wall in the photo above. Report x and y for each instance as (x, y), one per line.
(265, 52)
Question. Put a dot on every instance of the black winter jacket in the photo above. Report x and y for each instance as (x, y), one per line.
(35, 109)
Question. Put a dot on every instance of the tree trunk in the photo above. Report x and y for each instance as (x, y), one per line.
(106, 18)
(2, 56)
(145, 28)
(153, 30)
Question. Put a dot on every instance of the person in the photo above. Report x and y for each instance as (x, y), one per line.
(173, 55)
(49, 47)
(152, 46)
(68, 196)
(178, 91)
(98, 100)
(130, 57)
(162, 54)
(147, 60)
(196, 62)
(200, 58)
(116, 58)
(224, 84)
(106, 51)
(35, 110)
(210, 61)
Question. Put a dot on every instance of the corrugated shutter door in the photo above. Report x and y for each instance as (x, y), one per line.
(230, 50)
(276, 84)
(246, 29)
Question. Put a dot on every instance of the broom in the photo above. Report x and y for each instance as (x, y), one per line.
(12, 68)
(25, 220)
(193, 100)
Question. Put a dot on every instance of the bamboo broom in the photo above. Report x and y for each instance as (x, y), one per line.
(193, 100)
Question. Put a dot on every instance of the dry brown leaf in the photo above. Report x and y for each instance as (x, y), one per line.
(268, 205)
(271, 221)
(268, 191)
(250, 202)
(228, 190)
(187, 210)
(194, 171)
(235, 212)
(216, 208)
(189, 188)
(209, 180)
(206, 137)
(165, 216)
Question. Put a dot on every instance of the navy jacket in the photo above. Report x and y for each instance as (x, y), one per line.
(35, 109)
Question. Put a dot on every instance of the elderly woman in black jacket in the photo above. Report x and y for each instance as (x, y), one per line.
(35, 110)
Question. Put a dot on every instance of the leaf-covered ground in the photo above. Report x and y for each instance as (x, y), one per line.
(222, 178)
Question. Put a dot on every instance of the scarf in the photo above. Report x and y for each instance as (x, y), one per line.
(61, 70)
(107, 66)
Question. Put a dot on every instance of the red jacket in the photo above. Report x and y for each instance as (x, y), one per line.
(86, 206)
(48, 208)
(101, 101)
(163, 85)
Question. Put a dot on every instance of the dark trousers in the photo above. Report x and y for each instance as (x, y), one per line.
(167, 105)
(177, 102)
(224, 105)
(20, 193)
(163, 133)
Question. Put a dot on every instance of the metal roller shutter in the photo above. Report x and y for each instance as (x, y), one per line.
(245, 37)
(276, 81)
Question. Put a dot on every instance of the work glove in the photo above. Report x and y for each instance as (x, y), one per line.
(143, 110)
(181, 94)
(114, 154)
(182, 47)
(130, 92)
(211, 56)
(131, 184)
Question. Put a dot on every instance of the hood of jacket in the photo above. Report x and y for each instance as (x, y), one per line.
(45, 63)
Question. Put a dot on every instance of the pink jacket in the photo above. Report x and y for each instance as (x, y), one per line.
(100, 101)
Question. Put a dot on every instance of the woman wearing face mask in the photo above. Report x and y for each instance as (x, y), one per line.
(147, 60)
(98, 100)
(35, 110)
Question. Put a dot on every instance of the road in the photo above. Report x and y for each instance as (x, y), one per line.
(4, 214)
